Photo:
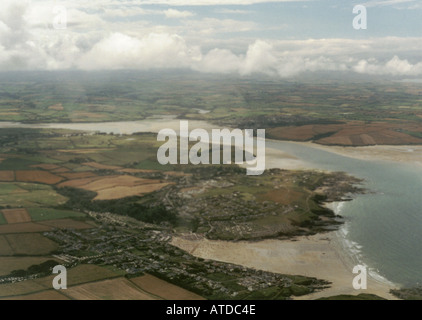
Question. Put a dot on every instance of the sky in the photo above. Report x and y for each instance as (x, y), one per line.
(280, 38)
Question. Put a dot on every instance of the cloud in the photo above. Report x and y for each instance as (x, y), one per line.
(208, 26)
(260, 58)
(173, 13)
(213, 2)
(97, 41)
(232, 11)
(394, 67)
(221, 61)
(119, 51)
(378, 3)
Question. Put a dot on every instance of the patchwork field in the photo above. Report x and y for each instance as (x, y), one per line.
(28, 227)
(119, 192)
(116, 187)
(352, 133)
(164, 289)
(29, 195)
(30, 244)
(78, 183)
(40, 289)
(114, 181)
(2, 219)
(57, 107)
(7, 176)
(16, 215)
(78, 175)
(20, 288)
(42, 214)
(37, 176)
(46, 166)
(131, 170)
(82, 151)
(101, 166)
(9, 264)
(115, 289)
(283, 196)
(82, 274)
(5, 248)
(60, 170)
(44, 295)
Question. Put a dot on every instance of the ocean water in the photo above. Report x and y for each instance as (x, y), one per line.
(383, 228)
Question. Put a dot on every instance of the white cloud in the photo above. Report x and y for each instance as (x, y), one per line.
(377, 3)
(119, 51)
(232, 11)
(214, 2)
(92, 42)
(173, 13)
(218, 61)
(209, 26)
(394, 67)
(259, 58)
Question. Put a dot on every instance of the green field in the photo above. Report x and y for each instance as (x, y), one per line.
(17, 164)
(40, 214)
(2, 219)
(17, 195)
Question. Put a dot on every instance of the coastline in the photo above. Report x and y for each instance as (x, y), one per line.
(328, 256)
(318, 256)
(410, 154)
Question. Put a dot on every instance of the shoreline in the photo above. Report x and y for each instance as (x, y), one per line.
(409, 154)
(319, 256)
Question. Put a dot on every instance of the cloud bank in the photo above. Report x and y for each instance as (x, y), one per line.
(28, 41)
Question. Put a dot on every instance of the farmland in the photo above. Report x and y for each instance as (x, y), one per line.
(116, 187)
(16, 215)
(8, 264)
(163, 289)
(7, 176)
(44, 295)
(29, 244)
(54, 211)
(37, 176)
(115, 289)
(355, 111)
(17, 195)
(41, 214)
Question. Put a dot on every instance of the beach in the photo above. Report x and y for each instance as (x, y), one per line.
(319, 256)
(411, 154)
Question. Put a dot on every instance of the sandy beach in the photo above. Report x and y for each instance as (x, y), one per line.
(411, 154)
(315, 256)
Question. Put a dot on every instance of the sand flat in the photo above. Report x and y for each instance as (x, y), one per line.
(315, 256)
(411, 154)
